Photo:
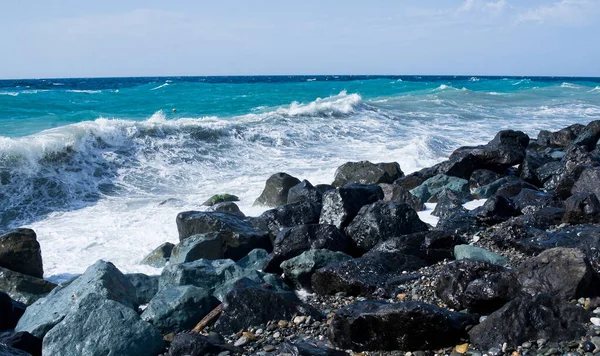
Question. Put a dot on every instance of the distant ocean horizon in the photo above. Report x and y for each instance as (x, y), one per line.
(99, 167)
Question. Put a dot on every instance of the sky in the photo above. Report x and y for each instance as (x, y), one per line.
(75, 38)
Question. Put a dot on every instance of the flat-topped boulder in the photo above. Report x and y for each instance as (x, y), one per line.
(341, 205)
(365, 172)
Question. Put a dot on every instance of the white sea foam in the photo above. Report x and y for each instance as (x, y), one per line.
(161, 86)
(84, 91)
(9, 93)
(569, 85)
(596, 89)
(340, 104)
(474, 79)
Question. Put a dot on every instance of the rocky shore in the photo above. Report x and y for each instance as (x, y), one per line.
(349, 268)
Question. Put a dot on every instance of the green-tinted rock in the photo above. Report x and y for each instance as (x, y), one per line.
(276, 190)
(23, 288)
(300, 269)
(462, 252)
(432, 186)
(160, 256)
(255, 260)
(195, 247)
(220, 198)
(487, 191)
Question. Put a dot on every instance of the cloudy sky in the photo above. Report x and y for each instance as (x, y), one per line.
(74, 38)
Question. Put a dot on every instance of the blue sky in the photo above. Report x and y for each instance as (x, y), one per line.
(67, 38)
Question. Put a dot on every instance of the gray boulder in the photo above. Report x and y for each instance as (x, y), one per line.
(304, 191)
(588, 182)
(432, 186)
(98, 326)
(146, 286)
(397, 193)
(299, 270)
(160, 256)
(20, 252)
(276, 190)
(179, 308)
(475, 253)
(101, 278)
(254, 260)
(582, 208)
(340, 206)
(209, 246)
(24, 288)
(365, 172)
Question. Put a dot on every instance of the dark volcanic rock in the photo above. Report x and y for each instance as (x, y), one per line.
(380, 221)
(410, 181)
(159, 256)
(9, 351)
(192, 344)
(562, 272)
(483, 177)
(365, 172)
(227, 207)
(304, 191)
(299, 270)
(588, 182)
(432, 186)
(102, 279)
(211, 246)
(588, 138)
(495, 210)
(582, 208)
(179, 308)
(397, 193)
(145, 286)
(378, 325)
(10, 311)
(530, 319)
(461, 223)
(533, 160)
(340, 206)
(449, 204)
(487, 191)
(20, 252)
(98, 326)
(24, 288)
(288, 215)
(276, 190)
(561, 138)
(479, 286)
(239, 235)
(251, 304)
(305, 349)
(293, 241)
(512, 189)
(22, 341)
(529, 200)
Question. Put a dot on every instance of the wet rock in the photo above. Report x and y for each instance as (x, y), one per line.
(380, 221)
(378, 325)
(276, 190)
(340, 206)
(179, 308)
(20, 252)
(304, 191)
(102, 278)
(293, 241)
(299, 270)
(251, 304)
(487, 191)
(460, 223)
(100, 326)
(496, 210)
(255, 260)
(533, 160)
(513, 188)
(562, 272)
(365, 172)
(397, 193)
(9, 351)
(24, 288)
(589, 136)
(239, 235)
(220, 198)
(582, 208)
(527, 318)
(449, 204)
(440, 182)
(462, 252)
(146, 286)
(482, 177)
(324, 188)
(193, 344)
(476, 285)
(588, 182)
(288, 215)
(160, 256)
(210, 246)
(22, 341)
(11, 312)
(529, 200)
(227, 207)
(410, 181)
(306, 349)
(561, 138)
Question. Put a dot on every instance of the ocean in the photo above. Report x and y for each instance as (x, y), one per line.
(99, 168)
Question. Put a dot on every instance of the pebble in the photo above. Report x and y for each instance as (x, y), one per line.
(277, 335)
(588, 346)
(541, 342)
(282, 324)
(299, 320)
(595, 321)
(269, 348)
(494, 351)
(527, 345)
(461, 349)
(597, 311)
(242, 341)
(259, 332)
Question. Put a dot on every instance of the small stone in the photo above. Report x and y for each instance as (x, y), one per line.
(482, 319)
(401, 296)
(494, 351)
(595, 321)
(504, 347)
(242, 341)
(259, 332)
(589, 346)
(541, 342)
(249, 336)
(282, 324)
(277, 335)
(551, 351)
(169, 337)
(360, 354)
(527, 345)
(299, 320)
(269, 348)
(461, 349)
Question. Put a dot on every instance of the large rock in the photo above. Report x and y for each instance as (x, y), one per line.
(529, 200)
(381, 221)
(11, 312)
(239, 235)
(179, 308)
(159, 256)
(276, 190)
(563, 272)
(255, 260)
(397, 193)
(582, 208)
(449, 204)
(530, 319)
(299, 270)
(475, 285)
(293, 241)
(462, 252)
(379, 325)
(490, 189)
(483, 177)
(365, 172)
(288, 215)
(533, 160)
(20, 252)
(98, 326)
(496, 210)
(101, 278)
(22, 341)
(340, 206)
(304, 191)
(588, 137)
(24, 288)
(434, 185)
(561, 138)
(146, 286)
(588, 182)
(250, 304)
(193, 344)
(210, 246)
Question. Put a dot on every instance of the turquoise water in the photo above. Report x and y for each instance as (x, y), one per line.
(100, 167)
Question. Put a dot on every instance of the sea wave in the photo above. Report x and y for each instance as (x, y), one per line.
(161, 86)
(335, 105)
(9, 93)
(84, 91)
(569, 85)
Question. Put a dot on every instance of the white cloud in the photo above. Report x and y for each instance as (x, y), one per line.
(564, 12)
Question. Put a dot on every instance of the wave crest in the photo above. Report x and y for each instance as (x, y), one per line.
(335, 105)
